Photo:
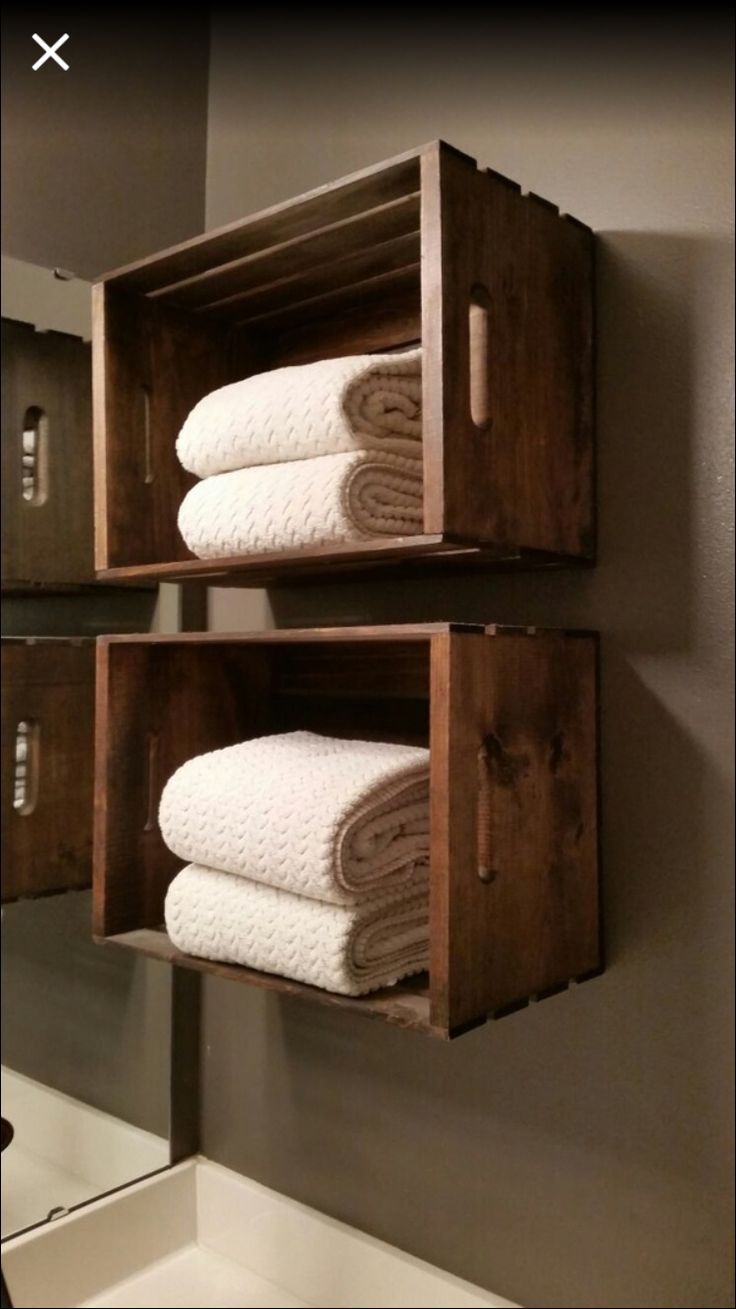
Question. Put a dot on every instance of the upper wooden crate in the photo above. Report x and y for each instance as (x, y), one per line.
(496, 286)
(510, 720)
(47, 783)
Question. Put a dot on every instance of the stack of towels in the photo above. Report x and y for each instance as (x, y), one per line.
(307, 455)
(308, 856)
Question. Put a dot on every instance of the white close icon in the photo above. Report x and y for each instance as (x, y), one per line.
(50, 52)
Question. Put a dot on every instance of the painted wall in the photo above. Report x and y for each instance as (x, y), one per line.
(103, 163)
(578, 1152)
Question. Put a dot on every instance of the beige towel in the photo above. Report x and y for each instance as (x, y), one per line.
(332, 819)
(322, 501)
(333, 406)
(351, 950)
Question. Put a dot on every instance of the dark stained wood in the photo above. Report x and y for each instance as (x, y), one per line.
(314, 254)
(514, 909)
(47, 545)
(388, 268)
(369, 669)
(355, 194)
(526, 478)
(405, 1005)
(359, 329)
(412, 553)
(151, 365)
(370, 719)
(338, 272)
(49, 683)
(297, 636)
(385, 289)
(510, 717)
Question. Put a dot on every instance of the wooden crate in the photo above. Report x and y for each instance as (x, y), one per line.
(47, 538)
(510, 718)
(497, 287)
(48, 685)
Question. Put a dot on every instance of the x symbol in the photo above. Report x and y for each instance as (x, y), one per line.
(50, 52)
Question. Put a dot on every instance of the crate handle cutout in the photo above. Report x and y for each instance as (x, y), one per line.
(26, 766)
(486, 872)
(151, 823)
(34, 469)
(479, 312)
(148, 469)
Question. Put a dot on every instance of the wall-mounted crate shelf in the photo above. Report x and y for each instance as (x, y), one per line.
(496, 286)
(47, 765)
(510, 719)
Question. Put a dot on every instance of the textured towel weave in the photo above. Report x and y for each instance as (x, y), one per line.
(361, 402)
(351, 950)
(322, 501)
(331, 819)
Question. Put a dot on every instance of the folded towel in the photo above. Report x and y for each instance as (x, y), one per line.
(361, 402)
(335, 820)
(344, 949)
(319, 501)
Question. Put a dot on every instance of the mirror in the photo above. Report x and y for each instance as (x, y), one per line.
(86, 1029)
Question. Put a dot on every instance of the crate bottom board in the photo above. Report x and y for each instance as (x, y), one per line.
(405, 1005)
(286, 567)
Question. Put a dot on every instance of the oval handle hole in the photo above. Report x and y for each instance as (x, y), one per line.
(148, 470)
(479, 332)
(26, 767)
(151, 822)
(486, 872)
(35, 456)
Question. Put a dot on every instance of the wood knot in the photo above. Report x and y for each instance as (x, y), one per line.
(505, 767)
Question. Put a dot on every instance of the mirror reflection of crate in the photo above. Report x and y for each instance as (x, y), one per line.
(47, 498)
(47, 765)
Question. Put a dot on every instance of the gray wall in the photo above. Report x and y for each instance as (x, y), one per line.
(578, 1152)
(85, 1019)
(103, 163)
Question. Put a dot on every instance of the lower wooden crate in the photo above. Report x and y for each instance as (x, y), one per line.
(510, 717)
(47, 795)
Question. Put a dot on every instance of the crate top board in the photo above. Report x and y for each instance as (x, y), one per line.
(426, 248)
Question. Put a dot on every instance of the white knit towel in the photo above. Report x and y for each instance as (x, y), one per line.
(351, 950)
(322, 501)
(360, 402)
(331, 819)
